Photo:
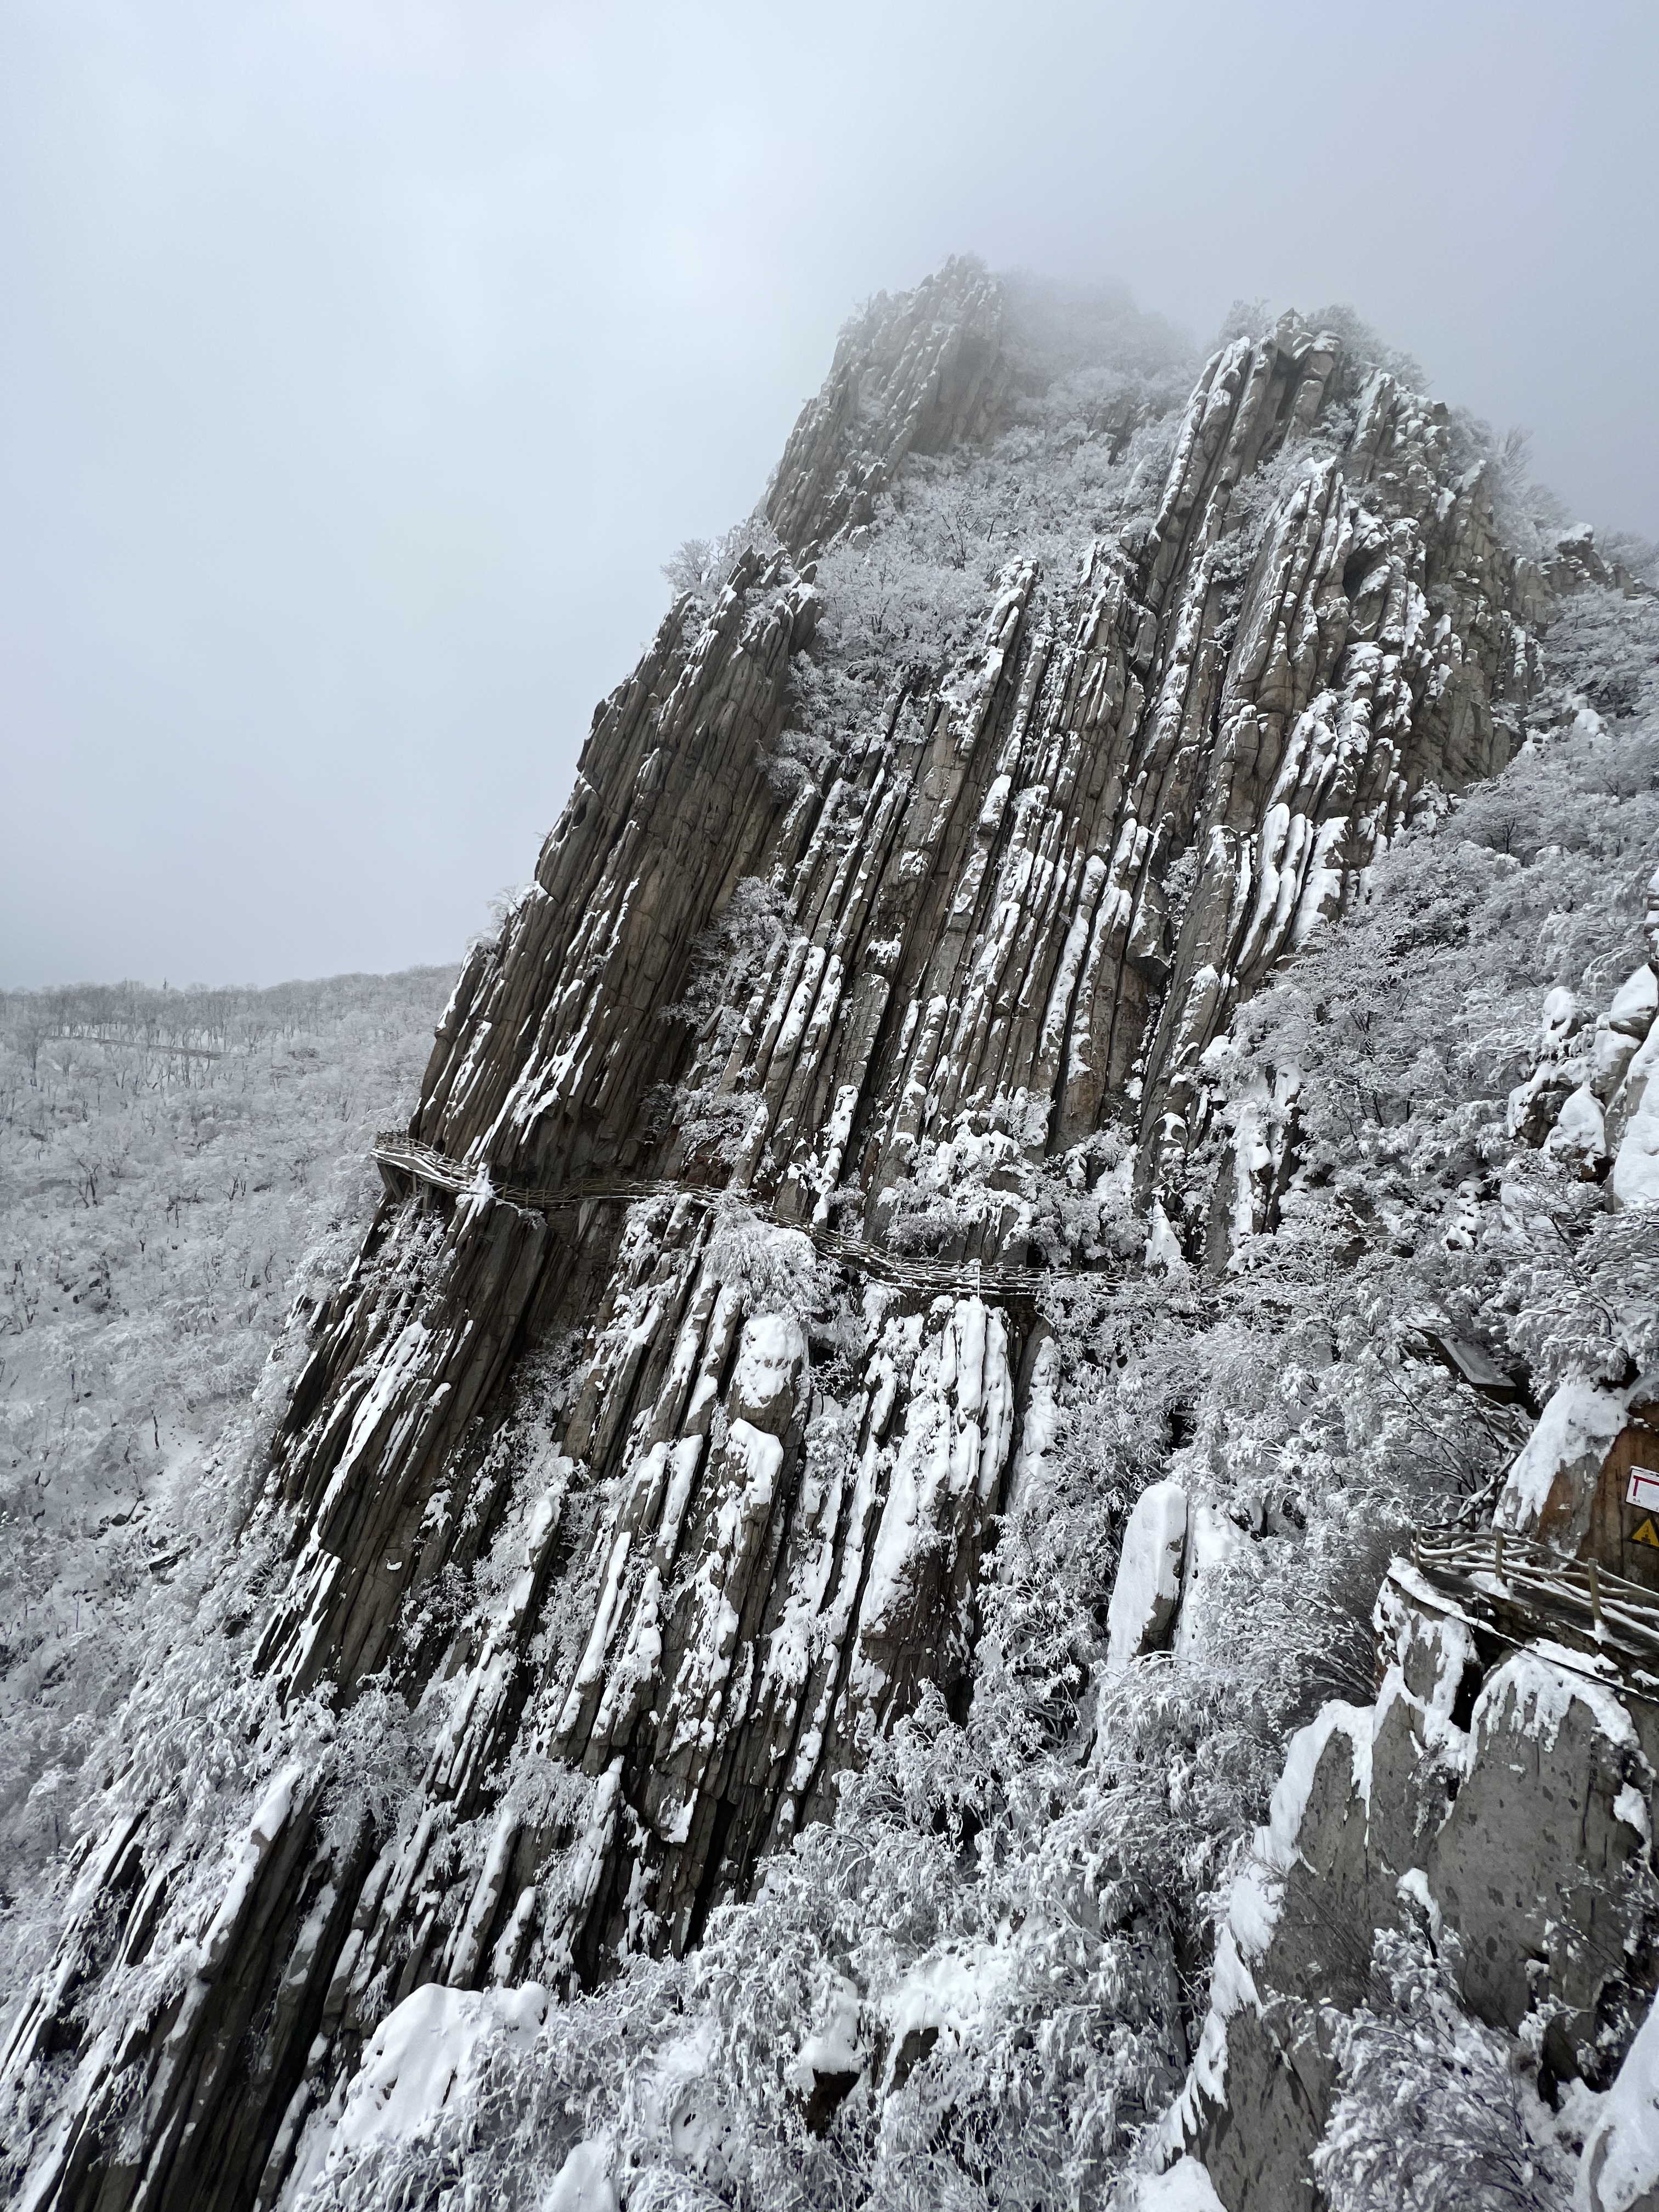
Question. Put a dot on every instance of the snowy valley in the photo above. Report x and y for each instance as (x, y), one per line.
(180, 1167)
(872, 1568)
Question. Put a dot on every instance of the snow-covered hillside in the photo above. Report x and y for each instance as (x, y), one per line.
(177, 1168)
(1075, 1070)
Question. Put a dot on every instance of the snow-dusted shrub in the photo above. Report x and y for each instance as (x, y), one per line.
(701, 567)
(1434, 2109)
(378, 1756)
(917, 589)
(774, 1270)
(729, 960)
(959, 1190)
(1083, 1209)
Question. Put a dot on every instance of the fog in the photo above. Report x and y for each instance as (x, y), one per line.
(362, 360)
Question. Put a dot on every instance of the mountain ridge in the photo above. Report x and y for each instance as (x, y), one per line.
(641, 1541)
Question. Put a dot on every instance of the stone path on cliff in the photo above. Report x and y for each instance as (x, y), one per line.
(400, 1156)
(1519, 1589)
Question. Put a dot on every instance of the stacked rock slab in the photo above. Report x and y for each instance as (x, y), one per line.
(1503, 1798)
(728, 1582)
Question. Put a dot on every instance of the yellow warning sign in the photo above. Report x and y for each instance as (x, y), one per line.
(1647, 1534)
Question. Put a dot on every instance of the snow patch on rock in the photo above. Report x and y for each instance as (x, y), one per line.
(583, 2182)
(1620, 2169)
(1543, 1695)
(415, 2067)
(1635, 1178)
(1548, 1488)
(1183, 2187)
(1147, 1589)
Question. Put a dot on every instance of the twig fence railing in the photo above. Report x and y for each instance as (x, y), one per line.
(1524, 1590)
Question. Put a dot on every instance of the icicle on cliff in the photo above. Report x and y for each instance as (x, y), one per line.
(879, 898)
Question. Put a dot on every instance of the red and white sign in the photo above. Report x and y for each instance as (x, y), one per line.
(1643, 1487)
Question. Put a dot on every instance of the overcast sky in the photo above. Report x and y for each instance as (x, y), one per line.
(360, 361)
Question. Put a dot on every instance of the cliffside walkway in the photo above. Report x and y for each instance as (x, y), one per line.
(1522, 1592)
(403, 1156)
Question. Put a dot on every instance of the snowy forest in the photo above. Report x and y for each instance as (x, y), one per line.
(771, 1623)
(180, 1167)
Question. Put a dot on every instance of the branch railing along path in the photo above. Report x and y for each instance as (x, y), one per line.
(397, 1155)
(1523, 1590)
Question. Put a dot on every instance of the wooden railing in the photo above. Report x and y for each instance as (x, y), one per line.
(397, 1155)
(1524, 1590)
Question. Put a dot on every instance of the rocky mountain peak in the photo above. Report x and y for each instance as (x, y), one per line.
(874, 1007)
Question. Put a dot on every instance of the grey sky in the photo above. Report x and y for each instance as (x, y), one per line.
(361, 359)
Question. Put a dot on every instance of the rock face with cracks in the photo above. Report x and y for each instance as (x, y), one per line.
(1021, 892)
(1502, 1799)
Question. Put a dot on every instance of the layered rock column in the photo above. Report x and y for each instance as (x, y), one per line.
(732, 1533)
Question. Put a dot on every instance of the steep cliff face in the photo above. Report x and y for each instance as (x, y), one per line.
(1495, 1800)
(893, 909)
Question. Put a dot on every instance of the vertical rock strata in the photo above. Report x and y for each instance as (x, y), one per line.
(1016, 899)
(1500, 1798)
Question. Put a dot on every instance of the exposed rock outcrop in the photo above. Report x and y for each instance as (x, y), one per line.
(1550, 1491)
(1020, 899)
(1590, 1099)
(1502, 1799)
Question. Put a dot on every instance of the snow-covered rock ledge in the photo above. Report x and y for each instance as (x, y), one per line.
(1458, 1878)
